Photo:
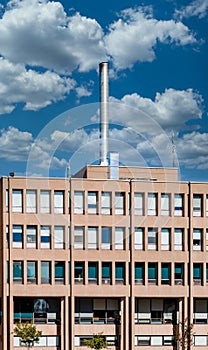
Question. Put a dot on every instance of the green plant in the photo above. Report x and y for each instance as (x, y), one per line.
(27, 333)
(184, 334)
(97, 342)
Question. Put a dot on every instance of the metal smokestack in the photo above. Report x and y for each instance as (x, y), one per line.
(104, 112)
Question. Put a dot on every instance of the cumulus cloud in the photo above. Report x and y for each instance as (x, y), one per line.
(140, 33)
(198, 8)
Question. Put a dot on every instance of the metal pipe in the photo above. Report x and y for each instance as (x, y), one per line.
(104, 112)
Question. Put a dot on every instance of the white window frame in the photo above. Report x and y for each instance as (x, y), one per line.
(17, 201)
(92, 238)
(119, 238)
(197, 204)
(92, 202)
(58, 202)
(120, 203)
(45, 231)
(152, 204)
(106, 203)
(78, 202)
(45, 201)
(31, 201)
(31, 234)
(197, 239)
(138, 203)
(165, 239)
(79, 237)
(152, 236)
(178, 204)
(59, 237)
(178, 238)
(165, 204)
(138, 238)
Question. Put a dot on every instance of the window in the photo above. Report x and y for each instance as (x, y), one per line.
(31, 272)
(138, 203)
(45, 272)
(178, 274)
(7, 236)
(207, 274)
(120, 203)
(59, 237)
(58, 202)
(106, 203)
(152, 204)
(139, 273)
(152, 273)
(197, 274)
(79, 272)
(200, 340)
(106, 238)
(152, 238)
(7, 200)
(18, 272)
(78, 237)
(59, 272)
(92, 202)
(106, 273)
(17, 201)
(31, 236)
(165, 239)
(197, 204)
(143, 341)
(45, 202)
(45, 237)
(120, 272)
(92, 272)
(138, 238)
(206, 239)
(207, 205)
(165, 204)
(178, 204)
(92, 238)
(178, 239)
(197, 239)
(78, 202)
(165, 273)
(31, 201)
(17, 236)
(119, 238)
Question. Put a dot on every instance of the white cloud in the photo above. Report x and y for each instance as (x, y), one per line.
(140, 33)
(35, 90)
(198, 8)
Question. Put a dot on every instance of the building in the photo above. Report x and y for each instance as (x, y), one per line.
(127, 257)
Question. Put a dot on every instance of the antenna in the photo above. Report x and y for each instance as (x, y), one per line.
(173, 150)
(104, 112)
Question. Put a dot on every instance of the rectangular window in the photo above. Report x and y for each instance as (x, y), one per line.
(200, 340)
(106, 273)
(152, 204)
(197, 239)
(138, 238)
(197, 204)
(152, 238)
(92, 272)
(207, 274)
(59, 237)
(79, 272)
(7, 236)
(139, 273)
(119, 238)
(31, 233)
(165, 204)
(92, 238)
(152, 273)
(31, 272)
(78, 202)
(165, 239)
(207, 205)
(78, 237)
(45, 202)
(45, 272)
(7, 200)
(165, 273)
(178, 274)
(120, 273)
(92, 202)
(59, 272)
(178, 239)
(18, 272)
(120, 203)
(197, 274)
(17, 233)
(178, 204)
(17, 201)
(45, 237)
(138, 203)
(106, 203)
(31, 201)
(206, 239)
(143, 341)
(106, 238)
(58, 202)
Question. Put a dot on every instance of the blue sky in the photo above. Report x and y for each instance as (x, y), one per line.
(49, 84)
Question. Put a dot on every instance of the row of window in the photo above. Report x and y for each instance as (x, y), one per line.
(43, 341)
(147, 340)
(104, 238)
(106, 203)
(108, 272)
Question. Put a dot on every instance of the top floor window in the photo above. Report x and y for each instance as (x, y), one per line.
(92, 202)
(207, 205)
(58, 202)
(45, 201)
(106, 203)
(31, 201)
(119, 203)
(78, 202)
(17, 201)
(152, 204)
(178, 204)
(197, 204)
(165, 204)
(138, 203)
